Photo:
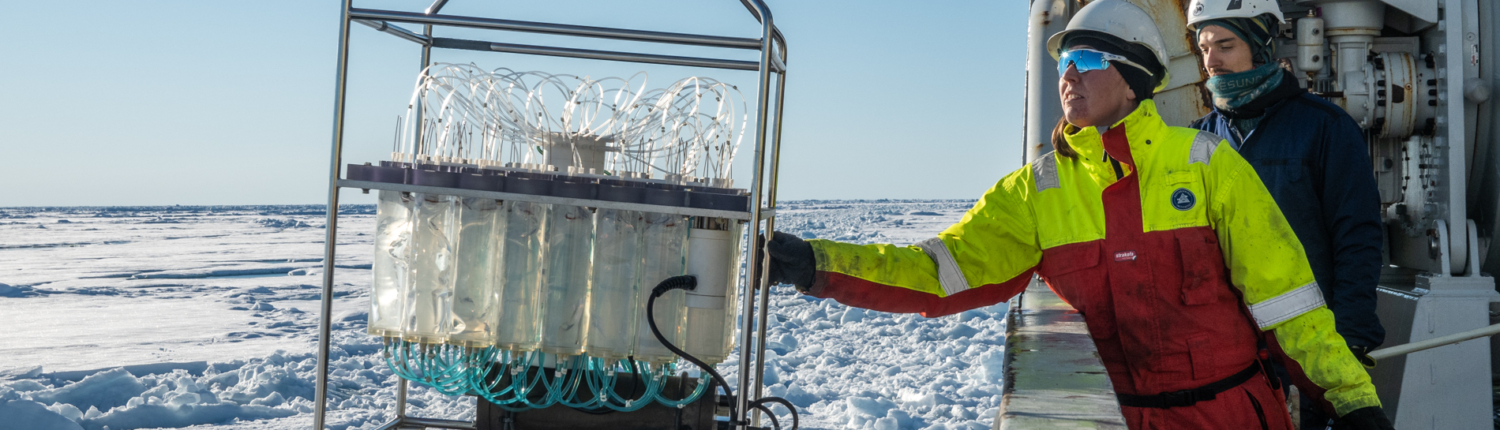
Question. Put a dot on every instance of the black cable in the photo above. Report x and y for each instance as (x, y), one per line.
(760, 403)
(690, 282)
(635, 382)
(687, 282)
(772, 415)
(604, 411)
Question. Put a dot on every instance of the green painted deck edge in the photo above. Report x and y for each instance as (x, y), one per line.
(1053, 376)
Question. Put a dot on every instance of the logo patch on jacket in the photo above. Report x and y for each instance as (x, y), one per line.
(1125, 256)
(1182, 199)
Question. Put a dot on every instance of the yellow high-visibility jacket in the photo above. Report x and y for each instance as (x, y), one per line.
(1163, 237)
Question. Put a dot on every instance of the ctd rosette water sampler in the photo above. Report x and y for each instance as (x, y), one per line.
(519, 286)
(563, 246)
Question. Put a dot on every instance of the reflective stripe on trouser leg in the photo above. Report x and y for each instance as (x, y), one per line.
(1286, 306)
(949, 276)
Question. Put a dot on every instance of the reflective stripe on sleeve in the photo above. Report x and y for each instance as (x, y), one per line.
(949, 276)
(1044, 172)
(1203, 147)
(1287, 306)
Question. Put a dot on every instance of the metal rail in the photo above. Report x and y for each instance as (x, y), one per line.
(478, 45)
(385, 27)
(765, 290)
(557, 29)
(325, 322)
(777, 64)
(1384, 353)
(742, 401)
(772, 48)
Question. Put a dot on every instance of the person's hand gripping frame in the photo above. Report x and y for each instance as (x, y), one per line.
(792, 260)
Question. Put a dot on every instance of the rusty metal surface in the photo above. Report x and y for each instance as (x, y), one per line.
(1185, 99)
(1053, 375)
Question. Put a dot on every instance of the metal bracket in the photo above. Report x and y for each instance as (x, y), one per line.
(1444, 260)
(1472, 263)
(553, 200)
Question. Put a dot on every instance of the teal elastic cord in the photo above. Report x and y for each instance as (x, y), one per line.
(484, 363)
(579, 372)
(452, 376)
(703, 383)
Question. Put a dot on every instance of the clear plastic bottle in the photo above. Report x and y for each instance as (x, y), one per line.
(714, 258)
(613, 311)
(522, 277)
(392, 239)
(664, 245)
(570, 239)
(427, 314)
(476, 292)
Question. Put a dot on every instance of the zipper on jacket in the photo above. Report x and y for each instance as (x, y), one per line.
(1119, 173)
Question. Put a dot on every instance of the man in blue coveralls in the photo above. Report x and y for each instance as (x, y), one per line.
(1311, 156)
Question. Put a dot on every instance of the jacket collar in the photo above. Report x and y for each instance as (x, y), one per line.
(1142, 125)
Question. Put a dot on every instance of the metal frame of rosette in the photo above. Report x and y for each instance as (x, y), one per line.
(771, 45)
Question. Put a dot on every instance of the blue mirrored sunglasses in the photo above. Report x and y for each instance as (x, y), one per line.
(1088, 60)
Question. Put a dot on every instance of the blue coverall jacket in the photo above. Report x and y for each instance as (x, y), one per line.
(1313, 159)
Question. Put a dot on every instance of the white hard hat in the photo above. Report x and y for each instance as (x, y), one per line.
(1120, 19)
(1204, 10)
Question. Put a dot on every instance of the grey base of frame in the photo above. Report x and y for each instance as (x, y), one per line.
(404, 423)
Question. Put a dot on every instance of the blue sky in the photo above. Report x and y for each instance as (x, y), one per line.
(195, 102)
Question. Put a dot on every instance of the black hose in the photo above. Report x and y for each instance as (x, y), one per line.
(690, 282)
(635, 383)
(760, 403)
(772, 415)
(687, 282)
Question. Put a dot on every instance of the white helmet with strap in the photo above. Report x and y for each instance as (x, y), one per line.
(1120, 19)
(1205, 10)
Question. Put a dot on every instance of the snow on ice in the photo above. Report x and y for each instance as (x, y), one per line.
(206, 318)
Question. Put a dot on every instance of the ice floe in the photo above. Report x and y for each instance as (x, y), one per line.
(206, 318)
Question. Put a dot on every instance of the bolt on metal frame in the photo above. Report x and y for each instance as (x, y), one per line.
(772, 60)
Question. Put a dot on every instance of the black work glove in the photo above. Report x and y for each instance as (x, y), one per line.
(792, 260)
(1371, 418)
(1362, 354)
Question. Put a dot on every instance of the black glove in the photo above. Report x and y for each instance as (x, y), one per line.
(1362, 354)
(792, 260)
(1371, 418)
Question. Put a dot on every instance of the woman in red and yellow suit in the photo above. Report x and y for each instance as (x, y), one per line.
(1162, 237)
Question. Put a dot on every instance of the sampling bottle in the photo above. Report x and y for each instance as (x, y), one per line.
(522, 276)
(427, 314)
(476, 292)
(664, 251)
(393, 213)
(569, 254)
(613, 298)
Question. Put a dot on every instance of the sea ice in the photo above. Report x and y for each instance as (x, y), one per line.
(185, 317)
(26, 414)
